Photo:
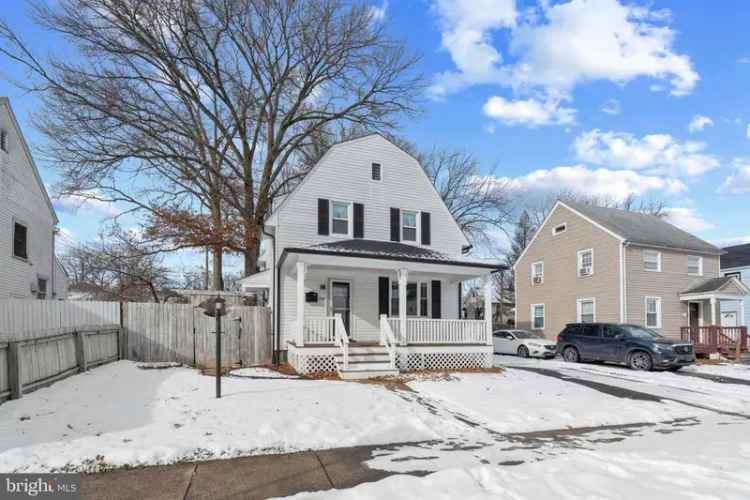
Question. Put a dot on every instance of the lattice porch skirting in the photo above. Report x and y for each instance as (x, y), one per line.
(443, 360)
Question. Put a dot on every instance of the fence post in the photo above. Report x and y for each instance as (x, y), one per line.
(14, 370)
(80, 340)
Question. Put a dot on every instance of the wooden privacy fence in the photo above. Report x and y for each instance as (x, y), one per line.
(21, 318)
(182, 333)
(32, 361)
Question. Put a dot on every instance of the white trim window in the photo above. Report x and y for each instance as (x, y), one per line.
(537, 273)
(376, 171)
(585, 262)
(341, 215)
(409, 228)
(417, 299)
(559, 229)
(537, 316)
(653, 312)
(652, 261)
(586, 310)
(695, 265)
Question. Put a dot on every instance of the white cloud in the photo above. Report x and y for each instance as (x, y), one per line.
(659, 153)
(739, 181)
(614, 185)
(611, 107)
(744, 60)
(557, 47)
(89, 202)
(747, 131)
(378, 12)
(699, 122)
(687, 219)
(529, 112)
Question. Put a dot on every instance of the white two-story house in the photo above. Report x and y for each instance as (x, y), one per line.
(364, 268)
(28, 223)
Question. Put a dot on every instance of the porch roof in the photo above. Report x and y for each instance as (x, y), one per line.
(726, 287)
(389, 250)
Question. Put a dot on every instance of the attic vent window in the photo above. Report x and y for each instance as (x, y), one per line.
(4, 140)
(377, 172)
(559, 229)
(20, 243)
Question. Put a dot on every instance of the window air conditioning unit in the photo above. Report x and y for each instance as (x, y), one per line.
(585, 271)
(538, 280)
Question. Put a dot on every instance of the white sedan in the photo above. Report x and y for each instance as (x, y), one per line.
(523, 343)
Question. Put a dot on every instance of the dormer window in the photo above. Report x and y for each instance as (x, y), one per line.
(408, 225)
(559, 229)
(377, 172)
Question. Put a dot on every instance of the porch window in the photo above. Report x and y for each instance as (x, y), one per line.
(412, 304)
(394, 298)
(537, 273)
(652, 260)
(423, 300)
(695, 265)
(586, 310)
(537, 317)
(417, 299)
(586, 262)
(408, 225)
(653, 312)
(340, 218)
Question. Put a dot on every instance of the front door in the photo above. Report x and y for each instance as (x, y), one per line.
(694, 314)
(341, 302)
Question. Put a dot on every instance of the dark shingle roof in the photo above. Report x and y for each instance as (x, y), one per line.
(710, 285)
(644, 229)
(394, 251)
(736, 256)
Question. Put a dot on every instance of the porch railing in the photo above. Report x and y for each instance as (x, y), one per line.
(714, 338)
(342, 339)
(320, 330)
(441, 331)
(388, 339)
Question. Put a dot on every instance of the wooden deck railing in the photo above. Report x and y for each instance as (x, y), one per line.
(710, 339)
(441, 331)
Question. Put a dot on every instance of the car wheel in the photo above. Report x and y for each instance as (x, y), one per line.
(641, 360)
(570, 354)
(523, 351)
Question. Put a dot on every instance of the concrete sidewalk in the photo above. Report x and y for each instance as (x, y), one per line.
(239, 478)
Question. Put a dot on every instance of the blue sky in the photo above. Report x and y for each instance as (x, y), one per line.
(589, 95)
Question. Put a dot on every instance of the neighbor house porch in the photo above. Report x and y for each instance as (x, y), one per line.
(382, 308)
(710, 330)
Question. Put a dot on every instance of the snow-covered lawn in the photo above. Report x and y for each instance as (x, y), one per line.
(118, 415)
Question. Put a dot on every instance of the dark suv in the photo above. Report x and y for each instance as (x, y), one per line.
(632, 345)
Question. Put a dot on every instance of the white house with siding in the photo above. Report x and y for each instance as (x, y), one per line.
(736, 263)
(28, 223)
(364, 268)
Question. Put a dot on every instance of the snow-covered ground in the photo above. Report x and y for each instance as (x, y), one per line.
(731, 370)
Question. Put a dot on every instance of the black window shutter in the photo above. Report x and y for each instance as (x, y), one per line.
(359, 220)
(323, 216)
(460, 300)
(395, 224)
(384, 285)
(436, 298)
(426, 228)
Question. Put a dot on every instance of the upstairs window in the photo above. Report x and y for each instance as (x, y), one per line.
(695, 265)
(586, 262)
(408, 225)
(340, 215)
(537, 273)
(4, 140)
(559, 229)
(377, 172)
(652, 260)
(537, 317)
(20, 241)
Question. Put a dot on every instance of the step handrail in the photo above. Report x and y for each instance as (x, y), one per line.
(388, 340)
(342, 339)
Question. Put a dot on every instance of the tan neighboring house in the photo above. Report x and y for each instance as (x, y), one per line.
(595, 264)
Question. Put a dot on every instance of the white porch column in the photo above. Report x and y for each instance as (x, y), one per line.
(713, 311)
(301, 270)
(488, 289)
(403, 276)
(741, 319)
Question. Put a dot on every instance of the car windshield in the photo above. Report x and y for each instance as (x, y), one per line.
(522, 334)
(640, 332)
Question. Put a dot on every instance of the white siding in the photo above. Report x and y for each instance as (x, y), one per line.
(730, 306)
(344, 174)
(22, 199)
